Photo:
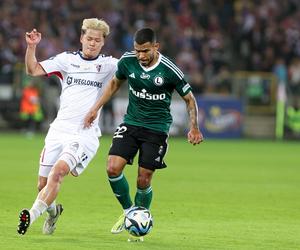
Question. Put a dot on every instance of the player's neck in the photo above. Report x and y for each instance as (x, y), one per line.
(84, 56)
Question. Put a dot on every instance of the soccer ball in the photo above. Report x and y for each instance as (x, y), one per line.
(138, 221)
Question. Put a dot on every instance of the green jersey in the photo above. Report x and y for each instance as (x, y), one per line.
(150, 91)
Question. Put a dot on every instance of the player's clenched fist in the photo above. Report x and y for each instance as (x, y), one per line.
(33, 37)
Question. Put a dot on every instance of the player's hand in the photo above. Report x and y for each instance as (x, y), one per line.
(89, 118)
(195, 136)
(33, 37)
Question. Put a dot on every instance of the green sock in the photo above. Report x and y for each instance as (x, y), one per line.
(143, 197)
(120, 188)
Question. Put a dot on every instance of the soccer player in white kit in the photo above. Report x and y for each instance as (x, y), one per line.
(68, 146)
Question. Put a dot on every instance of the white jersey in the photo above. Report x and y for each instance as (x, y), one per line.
(82, 81)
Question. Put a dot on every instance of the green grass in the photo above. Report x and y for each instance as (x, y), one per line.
(223, 194)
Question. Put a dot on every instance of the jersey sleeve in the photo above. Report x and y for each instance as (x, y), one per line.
(182, 87)
(55, 65)
(113, 69)
(121, 70)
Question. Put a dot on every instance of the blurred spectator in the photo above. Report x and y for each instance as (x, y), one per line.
(294, 82)
(293, 120)
(207, 38)
(223, 81)
(30, 107)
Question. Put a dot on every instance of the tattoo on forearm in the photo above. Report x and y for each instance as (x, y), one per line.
(193, 113)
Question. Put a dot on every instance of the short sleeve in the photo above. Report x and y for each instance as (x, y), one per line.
(55, 64)
(113, 67)
(121, 70)
(182, 87)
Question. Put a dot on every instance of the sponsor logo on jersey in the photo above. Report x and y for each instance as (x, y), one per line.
(78, 81)
(148, 96)
(75, 65)
(144, 76)
(132, 75)
(158, 80)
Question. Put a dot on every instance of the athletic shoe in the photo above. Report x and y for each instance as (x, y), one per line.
(49, 225)
(135, 239)
(119, 225)
(24, 221)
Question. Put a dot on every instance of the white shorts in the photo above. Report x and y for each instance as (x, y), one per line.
(78, 148)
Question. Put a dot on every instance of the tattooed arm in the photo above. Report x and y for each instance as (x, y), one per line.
(194, 135)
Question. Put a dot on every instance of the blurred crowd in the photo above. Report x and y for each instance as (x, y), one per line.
(208, 39)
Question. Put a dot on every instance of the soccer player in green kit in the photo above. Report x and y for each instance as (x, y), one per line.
(152, 78)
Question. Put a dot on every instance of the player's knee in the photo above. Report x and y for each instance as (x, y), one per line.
(112, 168)
(58, 173)
(144, 181)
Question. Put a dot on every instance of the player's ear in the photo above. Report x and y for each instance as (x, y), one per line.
(156, 46)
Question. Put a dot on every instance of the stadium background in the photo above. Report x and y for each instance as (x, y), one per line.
(241, 57)
(235, 54)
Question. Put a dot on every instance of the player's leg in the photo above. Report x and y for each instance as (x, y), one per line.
(54, 210)
(54, 146)
(53, 166)
(124, 148)
(120, 188)
(47, 160)
(45, 197)
(42, 181)
(117, 180)
(49, 193)
(77, 154)
(152, 152)
(143, 196)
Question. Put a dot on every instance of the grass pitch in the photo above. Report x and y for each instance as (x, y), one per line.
(228, 194)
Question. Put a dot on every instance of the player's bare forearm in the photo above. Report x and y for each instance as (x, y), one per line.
(109, 91)
(192, 109)
(32, 66)
(194, 135)
(30, 60)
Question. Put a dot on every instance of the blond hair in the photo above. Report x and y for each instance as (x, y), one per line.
(95, 24)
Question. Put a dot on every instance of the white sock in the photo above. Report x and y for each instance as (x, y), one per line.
(51, 210)
(38, 208)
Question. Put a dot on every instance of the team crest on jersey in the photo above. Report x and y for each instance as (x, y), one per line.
(158, 80)
(98, 67)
